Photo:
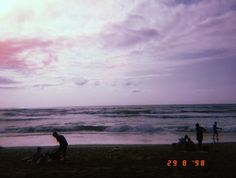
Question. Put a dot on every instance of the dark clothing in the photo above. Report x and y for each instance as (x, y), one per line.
(199, 131)
(62, 141)
(61, 152)
(199, 135)
(36, 156)
(215, 129)
(190, 146)
(215, 133)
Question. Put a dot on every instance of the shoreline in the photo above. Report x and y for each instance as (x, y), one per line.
(107, 139)
(111, 145)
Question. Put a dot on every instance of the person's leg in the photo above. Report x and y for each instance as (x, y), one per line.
(213, 138)
(200, 143)
(63, 153)
(56, 154)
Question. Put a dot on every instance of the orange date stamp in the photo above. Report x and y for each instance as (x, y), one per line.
(185, 163)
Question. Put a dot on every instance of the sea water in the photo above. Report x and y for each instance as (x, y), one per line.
(149, 124)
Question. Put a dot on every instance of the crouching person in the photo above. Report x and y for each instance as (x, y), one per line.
(61, 151)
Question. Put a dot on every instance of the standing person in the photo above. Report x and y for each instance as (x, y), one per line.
(199, 134)
(215, 132)
(62, 145)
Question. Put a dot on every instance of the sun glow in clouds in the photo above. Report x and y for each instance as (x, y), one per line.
(100, 52)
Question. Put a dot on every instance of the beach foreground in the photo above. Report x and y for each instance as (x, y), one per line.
(97, 161)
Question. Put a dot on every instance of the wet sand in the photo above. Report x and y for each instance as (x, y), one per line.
(123, 161)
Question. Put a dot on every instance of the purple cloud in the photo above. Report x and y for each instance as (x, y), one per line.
(123, 36)
(96, 83)
(136, 91)
(8, 87)
(233, 6)
(43, 85)
(80, 82)
(4, 81)
(185, 2)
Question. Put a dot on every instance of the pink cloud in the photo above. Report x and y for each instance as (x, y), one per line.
(11, 49)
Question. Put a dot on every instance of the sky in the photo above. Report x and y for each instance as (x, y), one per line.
(117, 52)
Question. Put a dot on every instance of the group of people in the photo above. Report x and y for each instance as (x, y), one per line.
(200, 130)
(58, 154)
(189, 145)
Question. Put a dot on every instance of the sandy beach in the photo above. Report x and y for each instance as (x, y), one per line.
(97, 161)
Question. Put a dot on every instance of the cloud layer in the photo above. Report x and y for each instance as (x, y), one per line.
(135, 45)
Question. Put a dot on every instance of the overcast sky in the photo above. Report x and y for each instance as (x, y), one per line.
(77, 52)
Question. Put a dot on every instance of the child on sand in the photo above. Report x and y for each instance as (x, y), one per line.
(36, 157)
(190, 146)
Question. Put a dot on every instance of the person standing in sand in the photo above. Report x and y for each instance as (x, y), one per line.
(62, 145)
(215, 133)
(199, 134)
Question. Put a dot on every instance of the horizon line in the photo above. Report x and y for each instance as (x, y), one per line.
(121, 105)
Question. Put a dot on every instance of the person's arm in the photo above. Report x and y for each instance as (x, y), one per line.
(204, 130)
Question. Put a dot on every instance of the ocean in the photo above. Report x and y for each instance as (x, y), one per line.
(149, 124)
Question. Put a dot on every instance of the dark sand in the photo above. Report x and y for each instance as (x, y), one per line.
(147, 161)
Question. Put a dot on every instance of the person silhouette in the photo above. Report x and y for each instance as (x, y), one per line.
(199, 134)
(37, 157)
(190, 146)
(183, 140)
(215, 133)
(63, 144)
